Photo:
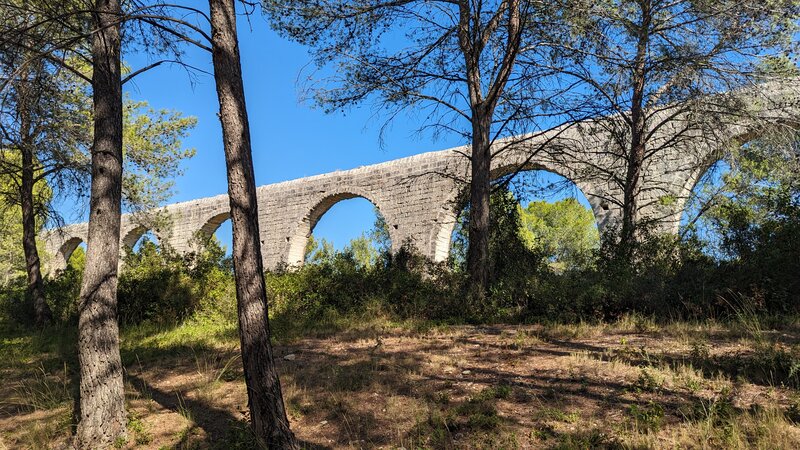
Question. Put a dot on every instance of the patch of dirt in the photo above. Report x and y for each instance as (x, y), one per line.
(468, 387)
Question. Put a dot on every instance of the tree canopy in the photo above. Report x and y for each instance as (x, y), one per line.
(564, 231)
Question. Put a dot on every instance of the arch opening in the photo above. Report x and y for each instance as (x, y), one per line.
(133, 236)
(72, 254)
(542, 210)
(220, 228)
(140, 236)
(340, 223)
(739, 190)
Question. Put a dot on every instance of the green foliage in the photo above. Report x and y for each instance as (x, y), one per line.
(750, 222)
(365, 250)
(157, 285)
(647, 417)
(62, 291)
(12, 257)
(153, 150)
(564, 231)
(404, 285)
(513, 265)
(63, 134)
(317, 251)
(756, 222)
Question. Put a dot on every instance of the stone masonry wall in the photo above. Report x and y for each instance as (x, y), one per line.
(420, 196)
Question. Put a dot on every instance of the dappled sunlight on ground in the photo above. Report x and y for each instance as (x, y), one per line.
(576, 386)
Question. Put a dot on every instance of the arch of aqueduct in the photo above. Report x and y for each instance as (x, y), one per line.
(420, 196)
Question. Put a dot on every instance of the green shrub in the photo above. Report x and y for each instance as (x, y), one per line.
(404, 285)
(158, 285)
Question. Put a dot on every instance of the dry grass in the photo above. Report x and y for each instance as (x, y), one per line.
(630, 384)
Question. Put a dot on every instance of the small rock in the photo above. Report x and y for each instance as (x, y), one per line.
(324, 422)
(290, 357)
(466, 372)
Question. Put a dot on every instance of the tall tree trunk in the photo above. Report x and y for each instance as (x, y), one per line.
(265, 399)
(35, 290)
(42, 311)
(472, 43)
(102, 417)
(480, 193)
(635, 159)
(630, 208)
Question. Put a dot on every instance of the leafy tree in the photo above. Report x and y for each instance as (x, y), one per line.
(31, 106)
(379, 234)
(754, 189)
(12, 254)
(59, 32)
(564, 231)
(364, 252)
(77, 260)
(365, 249)
(506, 231)
(472, 66)
(318, 250)
(58, 143)
(651, 65)
(153, 148)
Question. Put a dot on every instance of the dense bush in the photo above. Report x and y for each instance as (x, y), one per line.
(403, 284)
(159, 285)
(14, 307)
(155, 284)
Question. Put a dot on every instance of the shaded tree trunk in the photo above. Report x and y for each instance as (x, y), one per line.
(265, 400)
(480, 193)
(102, 417)
(473, 42)
(635, 159)
(42, 312)
(630, 209)
(35, 289)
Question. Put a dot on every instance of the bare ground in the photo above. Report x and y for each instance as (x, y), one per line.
(460, 387)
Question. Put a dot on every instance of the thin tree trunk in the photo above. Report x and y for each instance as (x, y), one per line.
(265, 400)
(635, 160)
(43, 314)
(480, 193)
(35, 290)
(102, 417)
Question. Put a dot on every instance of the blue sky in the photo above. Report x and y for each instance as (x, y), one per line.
(291, 139)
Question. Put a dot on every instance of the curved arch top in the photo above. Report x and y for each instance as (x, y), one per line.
(441, 235)
(214, 222)
(132, 236)
(69, 247)
(298, 239)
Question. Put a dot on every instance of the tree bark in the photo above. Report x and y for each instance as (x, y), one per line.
(102, 417)
(42, 312)
(265, 400)
(472, 43)
(635, 159)
(480, 193)
(35, 289)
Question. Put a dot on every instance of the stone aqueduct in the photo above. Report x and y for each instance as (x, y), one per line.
(420, 196)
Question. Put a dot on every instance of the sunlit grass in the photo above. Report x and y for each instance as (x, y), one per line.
(204, 351)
